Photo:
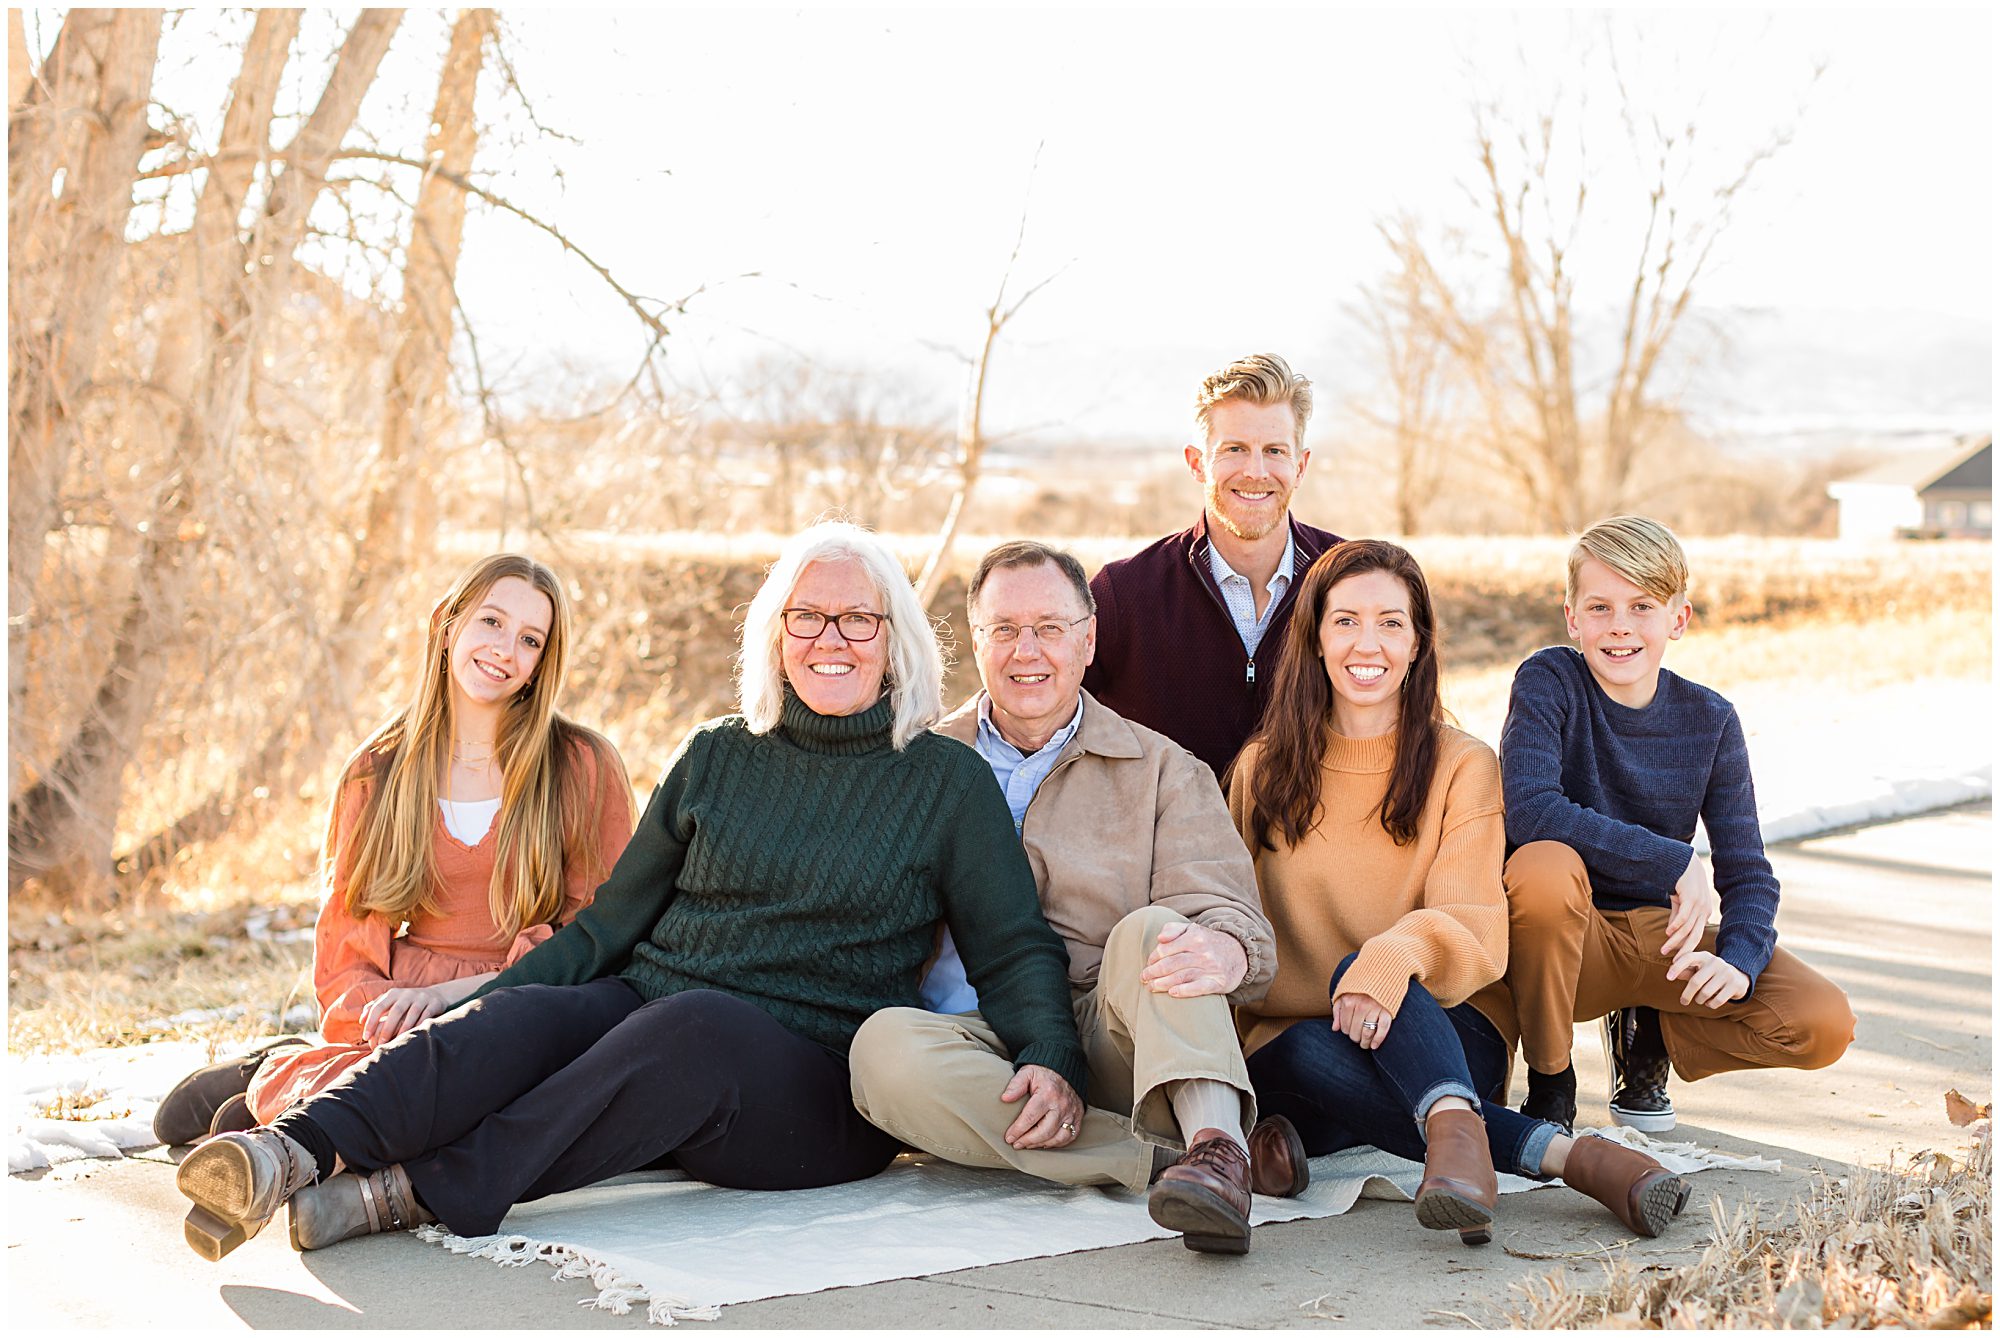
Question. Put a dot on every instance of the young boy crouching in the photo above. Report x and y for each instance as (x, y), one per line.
(1606, 760)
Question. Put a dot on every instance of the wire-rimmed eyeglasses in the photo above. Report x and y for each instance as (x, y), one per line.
(1049, 633)
(807, 624)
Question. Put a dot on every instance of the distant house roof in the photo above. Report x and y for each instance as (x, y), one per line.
(1965, 464)
(1972, 474)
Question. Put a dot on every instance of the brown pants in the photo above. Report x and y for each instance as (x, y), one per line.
(934, 1079)
(1568, 962)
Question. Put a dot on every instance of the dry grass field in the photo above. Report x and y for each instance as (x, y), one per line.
(224, 937)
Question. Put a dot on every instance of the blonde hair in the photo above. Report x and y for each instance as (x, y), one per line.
(915, 679)
(1642, 551)
(548, 813)
(1261, 378)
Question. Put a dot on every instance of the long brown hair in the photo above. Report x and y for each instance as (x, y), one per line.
(1291, 741)
(548, 813)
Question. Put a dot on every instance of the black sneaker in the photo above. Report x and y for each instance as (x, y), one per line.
(1639, 1069)
(1552, 1097)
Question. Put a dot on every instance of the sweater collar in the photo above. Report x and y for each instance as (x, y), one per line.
(838, 735)
(1368, 756)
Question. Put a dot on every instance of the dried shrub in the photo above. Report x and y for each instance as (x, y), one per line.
(1907, 1247)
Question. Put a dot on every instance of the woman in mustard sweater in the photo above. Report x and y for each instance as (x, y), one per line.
(1377, 835)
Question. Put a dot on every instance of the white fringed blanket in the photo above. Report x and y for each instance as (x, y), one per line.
(684, 1249)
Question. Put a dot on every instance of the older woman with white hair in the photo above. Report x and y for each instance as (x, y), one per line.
(784, 883)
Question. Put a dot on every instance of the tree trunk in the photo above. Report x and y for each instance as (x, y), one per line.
(60, 828)
(971, 450)
(401, 505)
(87, 120)
(20, 74)
(394, 529)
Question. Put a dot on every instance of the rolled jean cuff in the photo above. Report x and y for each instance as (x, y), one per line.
(1437, 1092)
(1534, 1147)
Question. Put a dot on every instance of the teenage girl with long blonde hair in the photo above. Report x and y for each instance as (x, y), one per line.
(462, 833)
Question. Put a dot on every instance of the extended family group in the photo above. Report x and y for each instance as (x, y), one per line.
(1201, 884)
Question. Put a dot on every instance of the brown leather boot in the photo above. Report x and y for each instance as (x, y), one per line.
(238, 1181)
(350, 1205)
(1206, 1195)
(1278, 1159)
(1459, 1190)
(1640, 1192)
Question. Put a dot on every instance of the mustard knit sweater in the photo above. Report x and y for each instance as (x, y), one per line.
(1433, 910)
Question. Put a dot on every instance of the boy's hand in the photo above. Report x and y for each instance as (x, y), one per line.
(1693, 902)
(1712, 982)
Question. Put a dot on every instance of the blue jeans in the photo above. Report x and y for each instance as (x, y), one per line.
(1341, 1096)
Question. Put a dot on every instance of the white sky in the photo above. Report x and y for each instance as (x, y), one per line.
(1210, 179)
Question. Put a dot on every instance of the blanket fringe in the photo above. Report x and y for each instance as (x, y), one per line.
(615, 1292)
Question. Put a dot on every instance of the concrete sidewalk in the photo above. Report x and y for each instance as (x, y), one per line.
(1900, 915)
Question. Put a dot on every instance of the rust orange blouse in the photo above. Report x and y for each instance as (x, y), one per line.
(356, 960)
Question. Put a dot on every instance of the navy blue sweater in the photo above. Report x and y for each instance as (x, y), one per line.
(1623, 788)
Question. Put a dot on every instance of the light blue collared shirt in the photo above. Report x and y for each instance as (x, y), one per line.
(1242, 601)
(945, 989)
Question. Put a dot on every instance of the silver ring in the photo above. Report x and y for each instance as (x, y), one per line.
(1368, 1026)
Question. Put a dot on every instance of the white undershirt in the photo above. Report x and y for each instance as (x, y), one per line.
(467, 821)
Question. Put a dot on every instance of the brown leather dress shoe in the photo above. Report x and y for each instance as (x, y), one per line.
(1640, 1192)
(1206, 1195)
(1278, 1159)
(1459, 1190)
(349, 1205)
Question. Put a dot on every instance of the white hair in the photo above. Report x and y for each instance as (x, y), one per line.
(915, 677)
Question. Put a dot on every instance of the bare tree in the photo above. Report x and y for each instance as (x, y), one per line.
(1415, 406)
(395, 522)
(20, 71)
(65, 818)
(972, 440)
(73, 146)
(397, 509)
(1566, 416)
(196, 459)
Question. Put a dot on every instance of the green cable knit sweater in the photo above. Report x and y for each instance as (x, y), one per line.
(805, 871)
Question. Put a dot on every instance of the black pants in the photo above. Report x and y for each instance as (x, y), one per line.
(543, 1088)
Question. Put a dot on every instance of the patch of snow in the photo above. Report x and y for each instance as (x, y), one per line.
(128, 1082)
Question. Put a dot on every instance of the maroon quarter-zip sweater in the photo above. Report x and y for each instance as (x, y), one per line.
(1168, 655)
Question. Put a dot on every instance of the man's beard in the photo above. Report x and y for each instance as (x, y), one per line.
(1216, 497)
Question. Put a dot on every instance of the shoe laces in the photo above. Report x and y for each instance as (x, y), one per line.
(1220, 1152)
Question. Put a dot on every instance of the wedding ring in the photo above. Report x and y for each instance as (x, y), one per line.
(1368, 1026)
(1070, 1127)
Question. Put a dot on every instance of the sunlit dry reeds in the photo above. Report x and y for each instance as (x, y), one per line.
(1906, 1247)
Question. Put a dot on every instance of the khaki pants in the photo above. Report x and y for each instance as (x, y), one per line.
(1569, 962)
(934, 1079)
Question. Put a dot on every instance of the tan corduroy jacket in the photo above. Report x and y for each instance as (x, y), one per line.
(1129, 818)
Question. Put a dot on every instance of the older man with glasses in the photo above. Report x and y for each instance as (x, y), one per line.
(1151, 890)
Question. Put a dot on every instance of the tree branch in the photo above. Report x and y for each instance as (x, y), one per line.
(632, 300)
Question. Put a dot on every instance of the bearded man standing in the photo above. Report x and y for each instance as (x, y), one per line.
(1182, 622)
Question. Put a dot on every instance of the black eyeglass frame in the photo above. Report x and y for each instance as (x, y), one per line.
(873, 621)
